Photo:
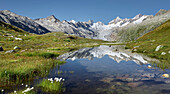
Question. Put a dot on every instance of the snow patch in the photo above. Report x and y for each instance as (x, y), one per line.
(140, 19)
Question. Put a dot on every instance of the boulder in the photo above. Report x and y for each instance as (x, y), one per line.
(10, 51)
(158, 48)
(16, 47)
(149, 66)
(18, 38)
(166, 75)
(163, 53)
(1, 49)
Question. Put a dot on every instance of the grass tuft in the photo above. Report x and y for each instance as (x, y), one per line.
(47, 86)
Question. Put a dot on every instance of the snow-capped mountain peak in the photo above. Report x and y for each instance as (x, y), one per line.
(73, 21)
(117, 19)
(139, 19)
(137, 16)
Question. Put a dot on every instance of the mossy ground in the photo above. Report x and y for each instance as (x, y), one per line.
(37, 54)
(148, 43)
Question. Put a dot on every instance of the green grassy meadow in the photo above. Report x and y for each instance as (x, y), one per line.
(149, 42)
(36, 54)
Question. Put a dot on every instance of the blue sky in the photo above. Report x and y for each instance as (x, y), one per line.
(83, 10)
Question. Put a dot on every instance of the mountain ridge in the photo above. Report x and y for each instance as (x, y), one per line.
(88, 29)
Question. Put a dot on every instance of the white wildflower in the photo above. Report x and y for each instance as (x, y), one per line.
(60, 79)
(56, 79)
(28, 89)
(50, 79)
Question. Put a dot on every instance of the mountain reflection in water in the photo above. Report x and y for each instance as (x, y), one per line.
(108, 69)
(101, 51)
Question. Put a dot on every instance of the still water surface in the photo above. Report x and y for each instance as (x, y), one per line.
(108, 69)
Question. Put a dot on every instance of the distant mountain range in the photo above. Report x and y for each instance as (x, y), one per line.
(117, 29)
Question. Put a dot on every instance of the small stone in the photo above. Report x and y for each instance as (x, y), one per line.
(16, 47)
(22, 50)
(137, 79)
(167, 81)
(149, 66)
(107, 79)
(87, 80)
(148, 75)
(18, 38)
(118, 83)
(129, 79)
(134, 50)
(136, 47)
(10, 51)
(144, 51)
(158, 48)
(1, 49)
(113, 87)
(145, 78)
(134, 84)
(11, 36)
(163, 53)
(153, 40)
(166, 75)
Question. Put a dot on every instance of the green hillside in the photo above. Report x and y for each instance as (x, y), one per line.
(33, 55)
(133, 31)
(150, 41)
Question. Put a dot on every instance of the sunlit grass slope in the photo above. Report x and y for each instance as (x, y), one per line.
(150, 41)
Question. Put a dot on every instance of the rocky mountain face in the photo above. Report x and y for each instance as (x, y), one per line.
(69, 27)
(22, 22)
(117, 29)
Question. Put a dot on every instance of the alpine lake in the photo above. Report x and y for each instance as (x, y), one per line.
(105, 70)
